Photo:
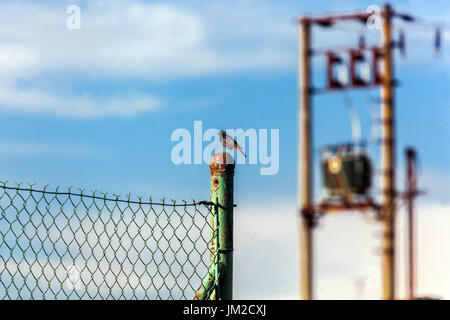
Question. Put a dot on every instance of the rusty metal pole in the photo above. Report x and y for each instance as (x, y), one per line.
(218, 282)
(411, 182)
(305, 167)
(222, 184)
(388, 159)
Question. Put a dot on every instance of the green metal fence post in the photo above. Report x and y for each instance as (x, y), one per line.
(222, 195)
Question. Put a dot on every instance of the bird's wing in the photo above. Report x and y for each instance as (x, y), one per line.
(230, 141)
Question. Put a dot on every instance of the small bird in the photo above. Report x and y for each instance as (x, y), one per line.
(229, 143)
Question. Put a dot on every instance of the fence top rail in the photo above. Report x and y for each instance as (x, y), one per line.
(104, 196)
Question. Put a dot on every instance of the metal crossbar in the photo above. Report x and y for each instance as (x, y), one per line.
(62, 244)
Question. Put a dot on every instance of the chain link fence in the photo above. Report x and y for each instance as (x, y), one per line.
(66, 244)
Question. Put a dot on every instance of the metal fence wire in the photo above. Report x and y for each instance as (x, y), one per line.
(66, 244)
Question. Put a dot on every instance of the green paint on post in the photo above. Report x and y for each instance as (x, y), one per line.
(206, 290)
(218, 283)
(222, 176)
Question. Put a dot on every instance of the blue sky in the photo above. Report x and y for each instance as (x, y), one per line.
(95, 107)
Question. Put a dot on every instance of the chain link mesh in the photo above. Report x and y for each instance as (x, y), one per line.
(62, 244)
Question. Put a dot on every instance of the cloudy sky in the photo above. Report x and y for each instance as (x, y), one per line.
(95, 108)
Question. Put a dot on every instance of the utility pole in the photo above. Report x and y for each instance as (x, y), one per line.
(305, 168)
(388, 158)
(383, 77)
(411, 192)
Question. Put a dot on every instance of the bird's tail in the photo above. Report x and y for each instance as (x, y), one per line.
(240, 149)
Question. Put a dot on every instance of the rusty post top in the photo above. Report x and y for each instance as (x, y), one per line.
(221, 161)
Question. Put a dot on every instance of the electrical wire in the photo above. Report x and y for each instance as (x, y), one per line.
(375, 119)
(407, 22)
(355, 121)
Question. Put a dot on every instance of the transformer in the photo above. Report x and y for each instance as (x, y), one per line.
(346, 170)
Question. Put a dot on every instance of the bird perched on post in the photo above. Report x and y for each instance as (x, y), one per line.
(229, 143)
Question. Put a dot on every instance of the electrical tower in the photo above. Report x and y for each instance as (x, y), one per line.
(382, 77)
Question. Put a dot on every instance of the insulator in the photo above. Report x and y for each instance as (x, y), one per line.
(377, 54)
(361, 41)
(406, 17)
(343, 75)
(356, 59)
(325, 24)
(401, 43)
(334, 61)
(366, 73)
(437, 41)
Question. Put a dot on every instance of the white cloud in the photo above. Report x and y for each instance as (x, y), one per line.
(266, 252)
(84, 106)
(433, 257)
(140, 41)
(347, 254)
(124, 40)
(136, 40)
(154, 40)
(8, 148)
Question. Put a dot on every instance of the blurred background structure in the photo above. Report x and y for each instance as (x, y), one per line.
(346, 168)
